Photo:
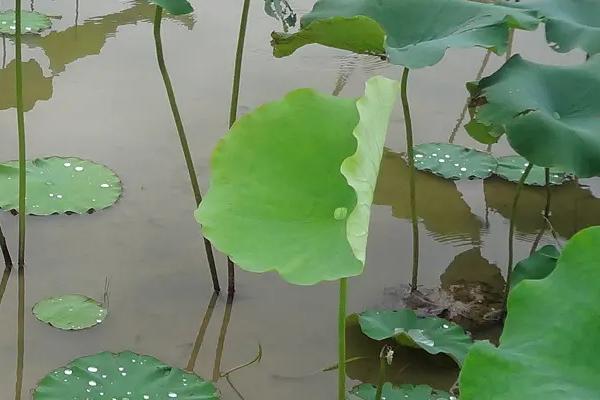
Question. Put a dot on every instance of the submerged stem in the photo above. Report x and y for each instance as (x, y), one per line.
(20, 333)
(411, 179)
(511, 230)
(201, 332)
(343, 293)
(182, 138)
(222, 336)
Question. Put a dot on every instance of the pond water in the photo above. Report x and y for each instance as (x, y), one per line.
(93, 90)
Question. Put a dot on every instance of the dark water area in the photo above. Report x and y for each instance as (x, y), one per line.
(93, 90)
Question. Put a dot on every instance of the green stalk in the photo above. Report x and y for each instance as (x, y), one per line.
(381, 376)
(201, 332)
(183, 139)
(21, 130)
(411, 179)
(5, 251)
(536, 242)
(235, 95)
(511, 230)
(222, 336)
(343, 292)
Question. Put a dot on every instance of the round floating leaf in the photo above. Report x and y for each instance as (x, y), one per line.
(570, 24)
(175, 7)
(537, 266)
(413, 33)
(432, 334)
(57, 185)
(452, 161)
(549, 113)
(31, 22)
(512, 169)
(553, 325)
(70, 312)
(121, 376)
(403, 392)
(291, 187)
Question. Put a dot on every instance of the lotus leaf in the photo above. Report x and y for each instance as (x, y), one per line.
(432, 334)
(121, 376)
(452, 161)
(551, 326)
(512, 169)
(403, 392)
(570, 24)
(58, 185)
(291, 187)
(31, 22)
(70, 312)
(413, 33)
(537, 266)
(175, 7)
(549, 113)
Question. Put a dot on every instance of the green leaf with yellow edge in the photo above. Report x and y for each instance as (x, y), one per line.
(551, 327)
(416, 33)
(293, 181)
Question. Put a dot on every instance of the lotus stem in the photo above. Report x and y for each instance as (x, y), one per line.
(201, 332)
(4, 282)
(511, 230)
(183, 139)
(411, 179)
(235, 96)
(20, 333)
(21, 130)
(343, 293)
(384, 359)
(536, 242)
(222, 335)
(5, 251)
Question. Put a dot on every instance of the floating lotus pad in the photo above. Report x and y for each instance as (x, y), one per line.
(291, 187)
(512, 169)
(549, 113)
(537, 266)
(452, 161)
(413, 33)
(31, 22)
(403, 392)
(57, 185)
(175, 7)
(432, 334)
(553, 325)
(570, 24)
(121, 376)
(70, 312)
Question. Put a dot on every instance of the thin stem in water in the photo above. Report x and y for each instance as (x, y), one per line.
(5, 251)
(343, 293)
(21, 130)
(511, 230)
(385, 358)
(235, 95)
(182, 138)
(201, 332)
(222, 336)
(410, 155)
(20, 334)
(538, 238)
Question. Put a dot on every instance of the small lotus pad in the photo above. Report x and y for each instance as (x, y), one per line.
(404, 392)
(31, 22)
(432, 334)
(452, 161)
(57, 185)
(512, 169)
(70, 312)
(123, 376)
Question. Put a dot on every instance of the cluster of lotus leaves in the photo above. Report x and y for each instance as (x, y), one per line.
(292, 184)
(412, 33)
(551, 325)
(549, 113)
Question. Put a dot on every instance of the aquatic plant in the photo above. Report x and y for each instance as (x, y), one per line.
(454, 162)
(31, 22)
(308, 218)
(538, 265)
(180, 7)
(282, 11)
(542, 357)
(397, 31)
(512, 169)
(403, 392)
(70, 312)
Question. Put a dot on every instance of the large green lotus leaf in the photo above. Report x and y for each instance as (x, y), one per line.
(537, 266)
(70, 312)
(175, 7)
(416, 33)
(291, 187)
(57, 185)
(552, 326)
(432, 334)
(121, 376)
(570, 24)
(455, 222)
(452, 161)
(31, 22)
(549, 113)
(512, 169)
(403, 392)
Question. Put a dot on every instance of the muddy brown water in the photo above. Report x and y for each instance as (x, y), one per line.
(93, 90)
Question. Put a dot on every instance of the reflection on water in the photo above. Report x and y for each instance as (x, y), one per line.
(471, 266)
(440, 205)
(37, 87)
